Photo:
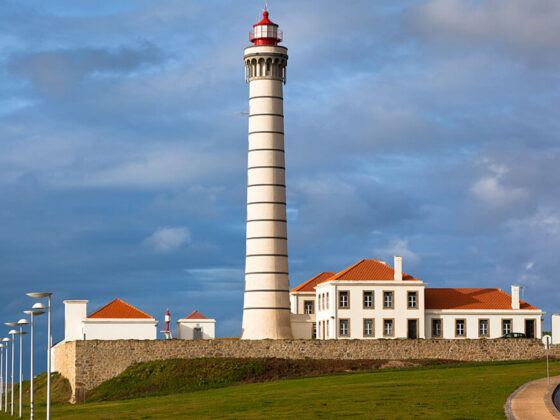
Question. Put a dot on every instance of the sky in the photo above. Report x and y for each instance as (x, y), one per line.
(427, 129)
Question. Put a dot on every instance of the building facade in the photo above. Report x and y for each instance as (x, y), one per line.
(371, 300)
(196, 326)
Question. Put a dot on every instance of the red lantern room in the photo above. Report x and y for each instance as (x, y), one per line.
(265, 32)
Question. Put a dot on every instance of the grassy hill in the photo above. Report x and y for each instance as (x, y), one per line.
(460, 392)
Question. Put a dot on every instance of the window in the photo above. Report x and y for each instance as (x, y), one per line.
(436, 327)
(308, 307)
(368, 300)
(368, 327)
(483, 328)
(343, 301)
(344, 327)
(412, 300)
(506, 326)
(314, 331)
(387, 328)
(388, 300)
(327, 298)
(460, 328)
(327, 328)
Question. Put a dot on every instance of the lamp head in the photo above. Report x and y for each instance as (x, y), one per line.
(38, 305)
(6, 339)
(21, 332)
(34, 312)
(23, 321)
(12, 332)
(38, 295)
(10, 324)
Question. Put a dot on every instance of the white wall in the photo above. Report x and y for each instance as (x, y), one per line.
(357, 313)
(120, 329)
(297, 301)
(185, 328)
(302, 325)
(75, 311)
(556, 329)
(471, 317)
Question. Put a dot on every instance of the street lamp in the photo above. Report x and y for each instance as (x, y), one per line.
(12, 333)
(21, 333)
(1, 374)
(40, 295)
(6, 340)
(32, 313)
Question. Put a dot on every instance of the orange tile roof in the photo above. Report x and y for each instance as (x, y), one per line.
(119, 309)
(369, 270)
(309, 285)
(469, 299)
(195, 315)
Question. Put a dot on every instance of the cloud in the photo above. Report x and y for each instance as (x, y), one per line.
(398, 247)
(167, 239)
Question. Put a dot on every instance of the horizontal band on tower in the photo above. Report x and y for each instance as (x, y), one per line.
(266, 167)
(267, 220)
(266, 96)
(268, 237)
(267, 185)
(282, 203)
(269, 307)
(266, 272)
(267, 290)
(266, 255)
(266, 149)
(266, 132)
(266, 115)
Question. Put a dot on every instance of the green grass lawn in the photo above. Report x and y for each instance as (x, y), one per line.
(469, 391)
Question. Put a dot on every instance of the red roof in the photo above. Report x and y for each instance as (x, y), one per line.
(309, 285)
(119, 309)
(369, 270)
(195, 315)
(265, 20)
(469, 299)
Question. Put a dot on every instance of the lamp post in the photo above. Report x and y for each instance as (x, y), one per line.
(6, 340)
(1, 374)
(39, 295)
(12, 333)
(21, 333)
(32, 313)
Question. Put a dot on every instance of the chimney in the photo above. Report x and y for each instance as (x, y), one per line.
(398, 268)
(383, 262)
(75, 311)
(515, 297)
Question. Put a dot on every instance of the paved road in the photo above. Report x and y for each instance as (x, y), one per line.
(533, 401)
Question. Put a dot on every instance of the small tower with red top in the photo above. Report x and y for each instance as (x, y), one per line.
(266, 308)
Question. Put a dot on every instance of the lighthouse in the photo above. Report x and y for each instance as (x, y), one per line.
(266, 309)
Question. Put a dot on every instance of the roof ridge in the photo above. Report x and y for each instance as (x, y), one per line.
(117, 300)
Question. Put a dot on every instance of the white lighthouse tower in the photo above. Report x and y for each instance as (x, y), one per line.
(266, 310)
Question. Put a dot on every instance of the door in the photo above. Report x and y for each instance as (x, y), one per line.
(412, 328)
(530, 328)
(197, 333)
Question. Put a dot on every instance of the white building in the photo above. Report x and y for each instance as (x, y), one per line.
(196, 327)
(555, 329)
(115, 321)
(371, 300)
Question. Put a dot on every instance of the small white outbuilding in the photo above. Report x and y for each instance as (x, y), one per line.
(196, 327)
(556, 329)
(117, 320)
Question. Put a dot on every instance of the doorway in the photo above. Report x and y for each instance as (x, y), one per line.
(197, 333)
(412, 328)
(530, 328)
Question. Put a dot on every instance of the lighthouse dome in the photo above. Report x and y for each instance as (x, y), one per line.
(265, 32)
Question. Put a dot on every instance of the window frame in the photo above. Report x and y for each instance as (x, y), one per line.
(440, 328)
(408, 293)
(464, 335)
(510, 325)
(372, 327)
(347, 299)
(487, 327)
(312, 307)
(340, 320)
(392, 327)
(392, 292)
(364, 299)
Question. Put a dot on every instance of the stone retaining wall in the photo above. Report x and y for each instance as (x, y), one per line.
(86, 364)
